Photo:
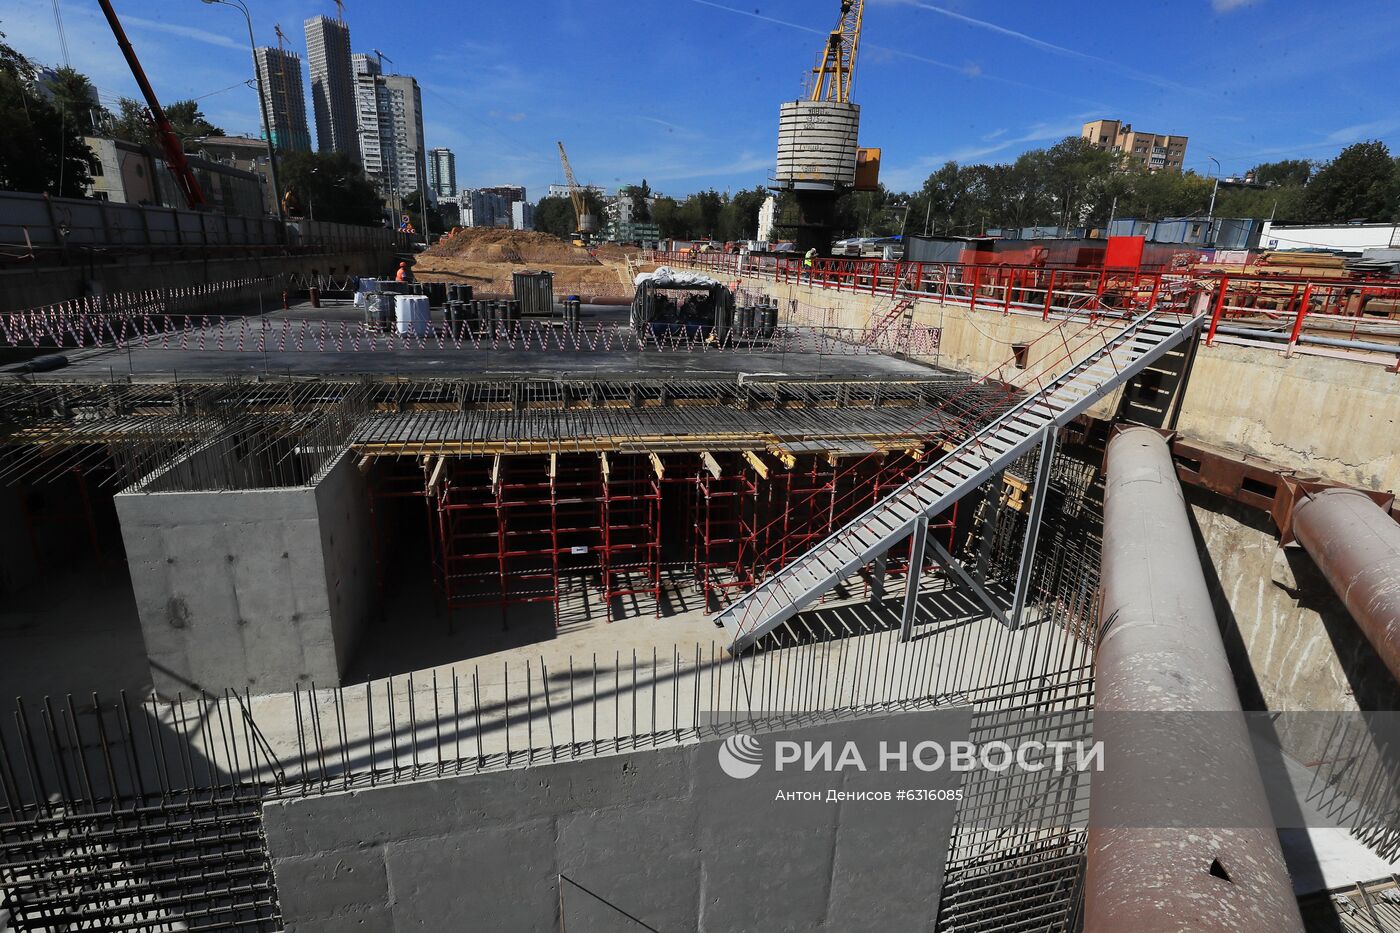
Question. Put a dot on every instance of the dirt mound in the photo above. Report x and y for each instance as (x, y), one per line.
(496, 244)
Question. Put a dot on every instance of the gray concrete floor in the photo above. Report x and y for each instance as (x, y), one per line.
(73, 632)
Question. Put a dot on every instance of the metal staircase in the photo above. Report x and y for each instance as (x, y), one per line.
(1120, 357)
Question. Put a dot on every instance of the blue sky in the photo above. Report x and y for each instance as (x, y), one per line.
(685, 92)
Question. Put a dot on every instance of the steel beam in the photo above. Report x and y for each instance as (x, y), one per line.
(1356, 545)
(877, 578)
(953, 566)
(1180, 832)
(917, 545)
(1043, 468)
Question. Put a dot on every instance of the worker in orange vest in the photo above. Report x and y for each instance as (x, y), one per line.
(404, 274)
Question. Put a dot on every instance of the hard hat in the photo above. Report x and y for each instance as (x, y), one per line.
(404, 264)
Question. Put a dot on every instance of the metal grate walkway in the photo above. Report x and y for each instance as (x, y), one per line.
(991, 449)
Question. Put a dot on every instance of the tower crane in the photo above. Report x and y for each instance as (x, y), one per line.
(819, 158)
(838, 64)
(382, 59)
(585, 223)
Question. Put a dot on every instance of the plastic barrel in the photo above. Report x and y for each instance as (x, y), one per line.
(724, 321)
(412, 314)
(770, 321)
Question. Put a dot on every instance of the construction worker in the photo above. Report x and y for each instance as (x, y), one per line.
(807, 260)
(405, 274)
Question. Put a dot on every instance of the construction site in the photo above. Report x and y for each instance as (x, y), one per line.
(335, 602)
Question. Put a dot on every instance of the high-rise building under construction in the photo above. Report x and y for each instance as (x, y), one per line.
(280, 72)
(332, 85)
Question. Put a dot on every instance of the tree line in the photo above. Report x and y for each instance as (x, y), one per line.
(1070, 184)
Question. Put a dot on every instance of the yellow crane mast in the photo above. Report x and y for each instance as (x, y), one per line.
(838, 64)
(585, 224)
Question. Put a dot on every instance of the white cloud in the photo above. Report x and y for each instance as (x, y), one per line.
(1225, 6)
(186, 32)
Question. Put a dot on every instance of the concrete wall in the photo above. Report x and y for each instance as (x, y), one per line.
(1323, 416)
(260, 589)
(347, 551)
(1333, 418)
(661, 835)
(31, 288)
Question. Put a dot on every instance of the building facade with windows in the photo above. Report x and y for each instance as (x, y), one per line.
(389, 117)
(283, 94)
(442, 173)
(1154, 151)
(332, 85)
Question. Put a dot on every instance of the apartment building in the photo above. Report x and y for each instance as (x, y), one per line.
(1155, 151)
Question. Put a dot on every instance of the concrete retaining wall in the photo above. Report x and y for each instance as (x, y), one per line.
(660, 835)
(31, 288)
(261, 589)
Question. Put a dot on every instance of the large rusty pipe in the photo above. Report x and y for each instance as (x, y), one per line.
(1356, 545)
(1176, 746)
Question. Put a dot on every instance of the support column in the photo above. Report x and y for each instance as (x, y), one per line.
(918, 543)
(260, 589)
(877, 578)
(1045, 464)
(1180, 832)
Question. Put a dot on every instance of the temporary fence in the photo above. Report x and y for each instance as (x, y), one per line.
(88, 323)
(1008, 289)
(1359, 318)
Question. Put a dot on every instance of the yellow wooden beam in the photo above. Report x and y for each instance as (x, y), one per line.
(711, 464)
(757, 463)
(658, 466)
(437, 472)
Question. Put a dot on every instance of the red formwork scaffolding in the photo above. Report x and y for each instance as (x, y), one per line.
(511, 526)
(726, 521)
(630, 554)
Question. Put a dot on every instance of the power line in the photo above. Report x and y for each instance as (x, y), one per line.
(62, 36)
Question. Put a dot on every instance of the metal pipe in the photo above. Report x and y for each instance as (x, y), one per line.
(1305, 338)
(1356, 545)
(1176, 745)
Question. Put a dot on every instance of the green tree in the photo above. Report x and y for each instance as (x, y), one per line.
(1294, 172)
(133, 123)
(1361, 183)
(666, 214)
(75, 97)
(189, 122)
(555, 216)
(640, 195)
(40, 150)
(330, 186)
(739, 216)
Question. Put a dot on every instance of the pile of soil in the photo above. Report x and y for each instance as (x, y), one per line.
(517, 247)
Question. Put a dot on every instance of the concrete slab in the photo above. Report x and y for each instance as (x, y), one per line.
(465, 362)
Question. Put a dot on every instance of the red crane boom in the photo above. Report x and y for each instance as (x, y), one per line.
(174, 152)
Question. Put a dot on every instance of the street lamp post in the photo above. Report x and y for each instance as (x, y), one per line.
(262, 103)
(1210, 214)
